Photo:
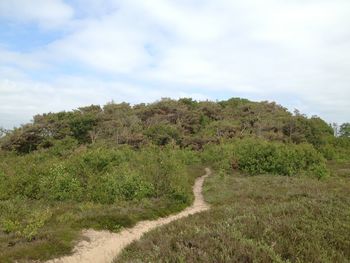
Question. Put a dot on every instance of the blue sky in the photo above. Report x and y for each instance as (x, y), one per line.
(58, 55)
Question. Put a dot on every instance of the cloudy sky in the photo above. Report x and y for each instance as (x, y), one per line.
(61, 54)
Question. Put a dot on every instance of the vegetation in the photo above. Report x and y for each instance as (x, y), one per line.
(254, 156)
(112, 166)
(257, 219)
(345, 130)
(185, 122)
(45, 198)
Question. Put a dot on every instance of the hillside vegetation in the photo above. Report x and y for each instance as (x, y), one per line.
(257, 219)
(112, 166)
(185, 122)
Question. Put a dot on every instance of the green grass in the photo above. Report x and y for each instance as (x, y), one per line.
(258, 219)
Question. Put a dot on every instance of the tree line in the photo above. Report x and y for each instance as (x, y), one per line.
(185, 122)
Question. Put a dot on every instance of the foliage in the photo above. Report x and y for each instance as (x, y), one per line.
(59, 185)
(47, 196)
(162, 134)
(337, 148)
(185, 122)
(345, 130)
(98, 174)
(256, 156)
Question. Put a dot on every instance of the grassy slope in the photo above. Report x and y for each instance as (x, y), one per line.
(259, 219)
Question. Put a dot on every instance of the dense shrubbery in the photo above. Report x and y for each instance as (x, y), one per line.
(65, 188)
(255, 156)
(98, 174)
(184, 122)
(336, 149)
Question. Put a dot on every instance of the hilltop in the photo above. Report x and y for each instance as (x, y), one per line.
(184, 122)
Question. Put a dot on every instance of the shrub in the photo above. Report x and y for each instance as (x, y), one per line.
(63, 147)
(162, 134)
(59, 185)
(119, 185)
(255, 156)
(318, 170)
(131, 187)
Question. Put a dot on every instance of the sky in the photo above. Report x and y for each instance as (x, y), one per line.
(62, 54)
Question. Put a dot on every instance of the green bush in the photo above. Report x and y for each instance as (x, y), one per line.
(131, 186)
(162, 134)
(328, 151)
(255, 156)
(63, 147)
(119, 185)
(59, 185)
(99, 174)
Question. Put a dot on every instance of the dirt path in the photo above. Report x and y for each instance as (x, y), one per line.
(104, 246)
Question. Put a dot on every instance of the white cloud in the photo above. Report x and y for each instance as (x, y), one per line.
(22, 98)
(109, 44)
(262, 49)
(47, 13)
(21, 60)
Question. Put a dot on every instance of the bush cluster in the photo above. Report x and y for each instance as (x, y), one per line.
(255, 156)
(99, 174)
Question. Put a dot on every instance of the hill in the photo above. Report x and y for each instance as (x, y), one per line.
(112, 166)
(185, 122)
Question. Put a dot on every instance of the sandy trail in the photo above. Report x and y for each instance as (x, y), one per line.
(104, 246)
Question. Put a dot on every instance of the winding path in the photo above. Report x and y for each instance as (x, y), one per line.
(104, 246)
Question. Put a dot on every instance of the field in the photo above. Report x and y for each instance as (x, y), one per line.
(258, 219)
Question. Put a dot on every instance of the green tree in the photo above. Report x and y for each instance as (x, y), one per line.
(162, 134)
(345, 130)
(24, 139)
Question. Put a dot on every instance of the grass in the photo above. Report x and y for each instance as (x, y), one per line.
(258, 219)
(340, 169)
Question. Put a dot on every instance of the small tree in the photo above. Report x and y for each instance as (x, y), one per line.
(344, 130)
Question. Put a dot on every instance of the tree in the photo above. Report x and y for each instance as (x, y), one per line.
(344, 130)
(162, 134)
(24, 139)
